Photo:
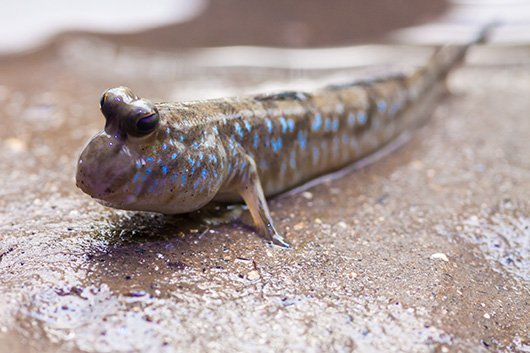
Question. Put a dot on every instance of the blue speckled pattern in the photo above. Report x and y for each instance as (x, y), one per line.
(177, 157)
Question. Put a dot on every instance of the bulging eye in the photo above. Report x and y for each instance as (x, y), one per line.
(103, 99)
(143, 118)
(147, 123)
(114, 102)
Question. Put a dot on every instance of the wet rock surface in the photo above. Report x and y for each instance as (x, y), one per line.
(425, 250)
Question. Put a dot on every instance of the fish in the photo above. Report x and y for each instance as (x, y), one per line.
(177, 157)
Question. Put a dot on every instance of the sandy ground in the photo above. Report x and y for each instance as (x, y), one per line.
(425, 250)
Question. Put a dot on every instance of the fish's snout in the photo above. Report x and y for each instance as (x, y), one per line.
(104, 168)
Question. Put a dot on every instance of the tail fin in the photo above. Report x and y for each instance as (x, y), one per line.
(446, 58)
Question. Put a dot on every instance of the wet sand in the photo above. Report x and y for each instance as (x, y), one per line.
(425, 250)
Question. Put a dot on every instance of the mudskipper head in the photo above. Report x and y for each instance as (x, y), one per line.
(110, 160)
(143, 160)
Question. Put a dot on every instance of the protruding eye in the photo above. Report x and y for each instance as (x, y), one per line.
(147, 123)
(102, 99)
(114, 102)
(143, 118)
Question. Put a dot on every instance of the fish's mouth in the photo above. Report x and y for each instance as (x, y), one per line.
(105, 196)
(116, 200)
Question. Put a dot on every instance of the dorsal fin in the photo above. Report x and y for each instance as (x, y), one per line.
(288, 95)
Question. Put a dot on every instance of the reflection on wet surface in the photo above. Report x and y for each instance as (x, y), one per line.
(425, 250)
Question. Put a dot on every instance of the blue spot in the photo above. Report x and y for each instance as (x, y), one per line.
(215, 131)
(290, 123)
(335, 125)
(181, 138)
(150, 159)
(204, 173)
(151, 188)
(317, 124)
(159, 160)
(361, 117)
(148, 171)
(274, 145)
(202, 139)
(280, 144)
(229, 167)
(156, 182)
(243, 165)
(351, 119)
(138, 164)
(154, 149)
(197, 183)
(256, 141)
(196, 145)
(247, 126)
(136, 177)
(192, 161)
(173, 156)
(302, 140)
(222, 164)
(174, 176)
(238, 130)
(269, 125)
(268, 141)
(215, 173)
(381, 105)
(164, 146)
(200, 156)
(183, 179)
(293, 160)
(192, 171)
(164, 168)
(284, 124)
(315, 153)
(328, 124)
(143, 178)
(198, 164)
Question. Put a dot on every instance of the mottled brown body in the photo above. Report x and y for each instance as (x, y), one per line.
(177, 157)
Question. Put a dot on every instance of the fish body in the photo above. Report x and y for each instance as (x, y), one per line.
(177, 157)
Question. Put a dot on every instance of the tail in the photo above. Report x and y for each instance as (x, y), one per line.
(446, 58)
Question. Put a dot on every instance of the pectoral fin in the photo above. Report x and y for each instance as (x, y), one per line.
(252, 193)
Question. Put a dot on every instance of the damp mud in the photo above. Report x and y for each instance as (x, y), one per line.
(426, 249)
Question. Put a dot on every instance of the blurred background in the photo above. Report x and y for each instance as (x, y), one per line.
(170, 24)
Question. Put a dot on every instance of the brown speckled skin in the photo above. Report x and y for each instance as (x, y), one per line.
(233, 148)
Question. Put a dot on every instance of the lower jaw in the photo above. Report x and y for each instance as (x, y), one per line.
(123, 202)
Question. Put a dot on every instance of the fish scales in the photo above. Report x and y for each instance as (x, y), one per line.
(177, 157)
